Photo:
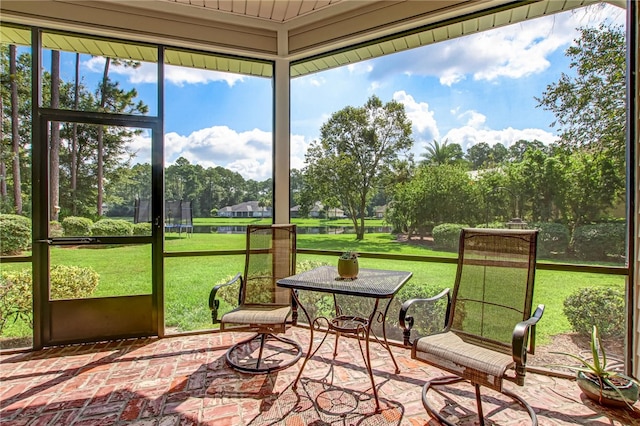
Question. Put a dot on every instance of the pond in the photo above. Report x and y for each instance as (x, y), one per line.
(239, 229)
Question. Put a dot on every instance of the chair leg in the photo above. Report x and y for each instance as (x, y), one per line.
(425, 401)
(479, 404)
(525, 405)
(260, 366)
(447, 380)
(262, 339)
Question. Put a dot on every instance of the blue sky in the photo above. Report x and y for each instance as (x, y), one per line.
(478, 88)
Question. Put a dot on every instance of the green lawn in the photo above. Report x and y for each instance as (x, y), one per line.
(188, 280)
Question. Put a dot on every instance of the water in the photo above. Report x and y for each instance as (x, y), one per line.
(238, 229)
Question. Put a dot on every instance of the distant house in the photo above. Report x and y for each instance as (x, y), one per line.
(246, 209)
(379, 211)
(318, 211)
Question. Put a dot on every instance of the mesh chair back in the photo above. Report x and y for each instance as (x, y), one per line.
(494, 285)
(271, 255)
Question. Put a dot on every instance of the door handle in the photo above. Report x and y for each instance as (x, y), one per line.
(70, 241)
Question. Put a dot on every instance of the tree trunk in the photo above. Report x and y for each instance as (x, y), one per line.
(100, 173)
(15, 132)
(54, 148)
(3, 166)
(74, 143)
(360, 228)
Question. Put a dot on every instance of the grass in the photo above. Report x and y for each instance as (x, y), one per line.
(188, 280)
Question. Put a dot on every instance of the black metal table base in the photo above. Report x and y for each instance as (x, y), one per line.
(358, 327)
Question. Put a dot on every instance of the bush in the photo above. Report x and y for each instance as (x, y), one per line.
(112, 227)
(552, 238)
(492, 225)
(76, 226)
(66, 282)
(429, 318)
(599, 241)
(447, 235)
(15, 296)
(599, 306)
(15, 234)
(55, 229)
(70, 282)
(142, 229)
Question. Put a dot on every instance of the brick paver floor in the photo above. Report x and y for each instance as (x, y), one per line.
(184, 381)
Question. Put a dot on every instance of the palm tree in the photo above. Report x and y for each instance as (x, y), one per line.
(442, 154)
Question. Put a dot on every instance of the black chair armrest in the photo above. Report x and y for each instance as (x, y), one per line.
(407, 322)
(523, 336)
(214, 304)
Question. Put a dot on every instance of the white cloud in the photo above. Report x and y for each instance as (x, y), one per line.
(359, 68)
(512, 51)
(317, 81)
(148, 73)
(181, 75)
(248, 153)
(140, 146)
(474, 118)
(473, 131)
(424, 124)
(468, 135)
(299, 145)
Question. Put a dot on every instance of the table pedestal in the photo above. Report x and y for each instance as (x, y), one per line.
(355, 326)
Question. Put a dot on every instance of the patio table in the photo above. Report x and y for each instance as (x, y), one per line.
(376, 284)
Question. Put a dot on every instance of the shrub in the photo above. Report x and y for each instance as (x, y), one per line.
(55, 229)
(447, 235)
(66, 282)
(599, 306)
(599, 241)
(70, 282)
(76, 226)
(15, 296)
(142, 229)
(552, 238)
(492, 225)
(429, 317)
(15, 234)
(112, 227)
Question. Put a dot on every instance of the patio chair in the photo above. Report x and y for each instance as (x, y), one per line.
(263, 308)
(488, 323)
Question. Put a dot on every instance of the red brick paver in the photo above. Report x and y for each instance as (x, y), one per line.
(184, 381)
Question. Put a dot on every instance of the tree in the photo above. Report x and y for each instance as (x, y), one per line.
(590, 107)
(115, 151)
(357, 147)
(478, 155)
(296, 183)
(499, 154)
(517, 150)
(74, 140)
(443, 154)
(111, 101)
(590, 186)
(436, 194)
(15, 131)
(54, 140)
